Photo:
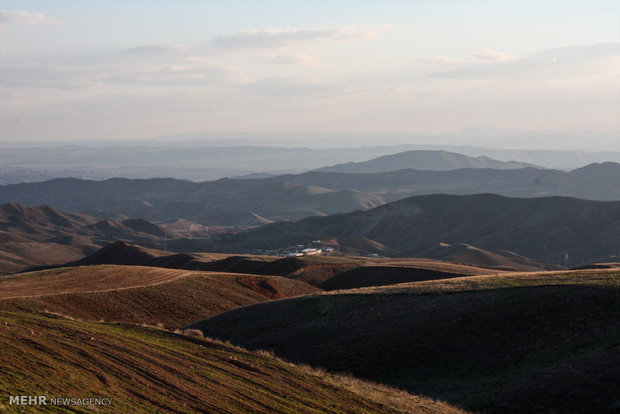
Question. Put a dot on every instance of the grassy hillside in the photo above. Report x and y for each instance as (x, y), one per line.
(152, 371)
(544, 342)
(136, 294)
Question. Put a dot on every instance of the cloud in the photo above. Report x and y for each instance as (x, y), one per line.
(159, 49)
(42, 77)
(292, 86)
(441, 60)
(579, 52)
(24, 17)
(566, 62)
(488, 55)
(272, 38)
(171, 75)
(301, 59)
(70, 78)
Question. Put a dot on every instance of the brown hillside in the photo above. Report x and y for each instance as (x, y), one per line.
(152, 371)
(545, 342)
(136, 294)
(43, 236)
(311, 269)
(348, 272)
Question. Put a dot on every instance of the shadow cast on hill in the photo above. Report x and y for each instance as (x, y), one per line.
(526, 349)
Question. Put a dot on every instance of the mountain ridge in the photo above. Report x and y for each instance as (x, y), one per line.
(254, 202)
(543, 229)
(427, 160)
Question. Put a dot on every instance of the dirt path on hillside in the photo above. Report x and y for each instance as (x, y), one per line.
(87, 280)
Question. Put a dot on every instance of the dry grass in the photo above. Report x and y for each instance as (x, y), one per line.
(85, 279)
(398, 399)
(589, 277)
(152, 296)
(482, 342)
(146, 370)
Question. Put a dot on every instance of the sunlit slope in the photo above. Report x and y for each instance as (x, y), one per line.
(43, 235)
(316, 270)
(137, 294)
(507, 343)
(151, 371)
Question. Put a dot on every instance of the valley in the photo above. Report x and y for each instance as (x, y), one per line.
(347, 289)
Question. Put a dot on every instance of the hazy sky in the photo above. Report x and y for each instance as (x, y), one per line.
(129, 69)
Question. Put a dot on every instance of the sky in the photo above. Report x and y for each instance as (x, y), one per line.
(114, 70)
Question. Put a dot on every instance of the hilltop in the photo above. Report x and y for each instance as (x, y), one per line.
(137, 294)
(456, 339)
(423, 160)
(347, 272)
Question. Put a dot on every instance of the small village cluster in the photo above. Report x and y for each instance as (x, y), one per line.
(299, 250)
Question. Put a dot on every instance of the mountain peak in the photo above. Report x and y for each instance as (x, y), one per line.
(431, 160)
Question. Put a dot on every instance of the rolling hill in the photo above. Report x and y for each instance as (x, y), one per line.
(145, 370)
(556, 230)
(422, 160)
(350, 271)
(545, 342)
(137, 294)
(38, 236)
(311, 269)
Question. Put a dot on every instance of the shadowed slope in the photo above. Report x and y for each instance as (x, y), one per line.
(541, 342)
(382, 275)
(549, 230)
(138, 294)
(151, 371)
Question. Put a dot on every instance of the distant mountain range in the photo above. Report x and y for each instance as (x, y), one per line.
(252, 202)
(223, 202)
(423, 160)
(558, 230)
(594, 182)
(203, 160)
(482, 230)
